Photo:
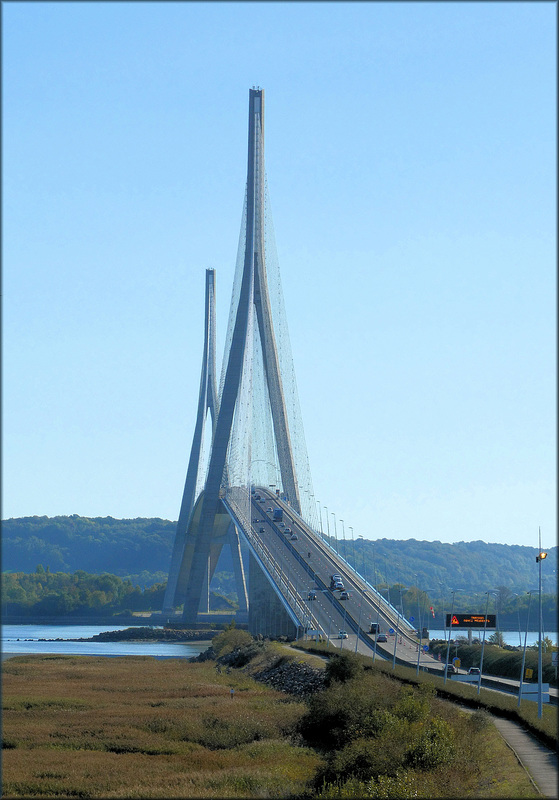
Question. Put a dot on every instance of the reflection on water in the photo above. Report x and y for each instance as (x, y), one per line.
(24, 639)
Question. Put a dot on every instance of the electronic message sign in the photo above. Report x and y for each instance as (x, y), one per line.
(471, 621)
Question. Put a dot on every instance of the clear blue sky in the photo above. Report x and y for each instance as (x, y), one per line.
(411, 161)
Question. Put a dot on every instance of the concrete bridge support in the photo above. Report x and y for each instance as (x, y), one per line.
(266, 614)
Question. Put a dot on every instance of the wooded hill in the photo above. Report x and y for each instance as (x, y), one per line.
(140, 550)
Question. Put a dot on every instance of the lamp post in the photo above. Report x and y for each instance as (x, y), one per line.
(442, 609)
(397, 630)
(320, 518)
(518, 612)
(345, 616)
(335, 533)
(530, 593)
(490, 592)
(359, 620)
(343, 535)
(400, 585)
(418, 625)
(328, 525)
(364, 567)
(453, 592)
(353, 547)
(396, 640)
(376, 633)
(539, 558)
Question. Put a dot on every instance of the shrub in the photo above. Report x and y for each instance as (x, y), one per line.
(230, 640)
(435, 746)
(343, 667)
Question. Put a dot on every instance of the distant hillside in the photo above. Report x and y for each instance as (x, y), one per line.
(138, 548)
(471, 566)
(141, 550)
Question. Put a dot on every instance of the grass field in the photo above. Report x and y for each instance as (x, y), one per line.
(139, 727)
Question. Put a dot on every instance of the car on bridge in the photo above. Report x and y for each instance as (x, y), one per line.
(294, 537)
(261, 530)
(288, 530)
(344, 596)
(382, 637)
(342, 635)
(474, 671)
(450, 669)
(311, 596)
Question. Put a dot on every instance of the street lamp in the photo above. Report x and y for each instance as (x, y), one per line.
(329, 629)
(320, 518)
(453, 592)
(442, 609)
(397, 629)
(491, 591)
(518, 612)
(364, 567)
(376, 632)
(335, 533)
(418, 625)
(328, 526)
(539, 558)
(353, 548)
(359, 620)
(530, 593)
(343, 534)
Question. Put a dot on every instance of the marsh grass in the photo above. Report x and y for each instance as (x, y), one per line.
(141, 727)
(137, 727)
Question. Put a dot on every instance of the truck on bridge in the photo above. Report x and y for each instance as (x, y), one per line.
(278, 514)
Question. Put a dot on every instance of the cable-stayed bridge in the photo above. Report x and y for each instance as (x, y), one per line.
(249, 467)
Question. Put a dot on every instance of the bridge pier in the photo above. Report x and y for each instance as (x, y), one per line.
(266, 615)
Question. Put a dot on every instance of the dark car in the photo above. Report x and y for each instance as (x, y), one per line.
(450, 669)
(311, 596)
(261, 530)
(344, 596)
(382, 637)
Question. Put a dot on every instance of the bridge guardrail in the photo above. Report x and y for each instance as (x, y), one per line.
(301, 613)
(404, 627)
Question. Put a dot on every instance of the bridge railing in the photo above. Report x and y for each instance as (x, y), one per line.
(399, 620)
(234, 500)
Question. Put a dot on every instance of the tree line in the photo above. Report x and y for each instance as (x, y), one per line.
(139, 551)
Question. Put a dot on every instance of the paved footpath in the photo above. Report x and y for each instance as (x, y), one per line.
(539, 761)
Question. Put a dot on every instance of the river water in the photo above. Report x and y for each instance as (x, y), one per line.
(24, 639)
(510, 637)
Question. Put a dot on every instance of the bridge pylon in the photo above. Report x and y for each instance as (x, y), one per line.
(204, 523)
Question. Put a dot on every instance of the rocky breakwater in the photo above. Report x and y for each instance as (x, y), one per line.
(282, 672)
(145, 635)
(292, 677)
